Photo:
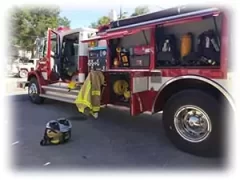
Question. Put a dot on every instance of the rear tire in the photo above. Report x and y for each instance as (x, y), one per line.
(195, 131)
(34, 92)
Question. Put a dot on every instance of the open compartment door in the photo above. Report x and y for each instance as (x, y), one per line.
(53, 55)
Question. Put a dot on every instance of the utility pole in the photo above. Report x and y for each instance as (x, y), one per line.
(120, 13)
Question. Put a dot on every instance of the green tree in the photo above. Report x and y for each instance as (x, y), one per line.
(140, 10)
(29, 23)
(104, 20)
(63, 21)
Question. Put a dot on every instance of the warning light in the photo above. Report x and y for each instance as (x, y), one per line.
(93, 44)
(62, 28)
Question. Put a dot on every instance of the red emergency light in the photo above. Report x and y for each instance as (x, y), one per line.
(61, 29)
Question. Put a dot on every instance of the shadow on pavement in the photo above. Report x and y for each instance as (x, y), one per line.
(17, 97)
(114, 141)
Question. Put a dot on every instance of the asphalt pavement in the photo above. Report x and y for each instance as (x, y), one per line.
(114, 141)
(11, 86)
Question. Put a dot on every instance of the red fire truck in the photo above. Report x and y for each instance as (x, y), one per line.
(172, 61)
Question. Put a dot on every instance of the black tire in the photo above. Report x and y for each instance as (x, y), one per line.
(35, 98)
(212, 145)
(23, 73)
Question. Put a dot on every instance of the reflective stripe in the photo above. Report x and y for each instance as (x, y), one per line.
(96, 93)
(95, 108)
(79, 96)
(86, 103)
(81, 109)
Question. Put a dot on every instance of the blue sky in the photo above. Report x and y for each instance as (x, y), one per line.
(81, 17)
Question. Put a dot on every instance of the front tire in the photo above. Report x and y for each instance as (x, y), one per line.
(23, 73)
(192, 122)
(34, 92)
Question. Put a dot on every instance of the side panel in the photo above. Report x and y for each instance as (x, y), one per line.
(83, 47)
(82, 64)
(225, 45)
(157, 81)
(83, 57)
(141, 96)
(145, 87)
(142, 102)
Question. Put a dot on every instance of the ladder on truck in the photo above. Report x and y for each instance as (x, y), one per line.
(60, 92)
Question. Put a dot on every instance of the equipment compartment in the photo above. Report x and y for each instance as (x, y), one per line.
(120, 88)
(132, 51)
(178, 45)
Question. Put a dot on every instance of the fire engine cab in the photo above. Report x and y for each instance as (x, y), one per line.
(174, 61)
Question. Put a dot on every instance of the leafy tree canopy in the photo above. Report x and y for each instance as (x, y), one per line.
(104, 20)
(140, 10)
(29, 23)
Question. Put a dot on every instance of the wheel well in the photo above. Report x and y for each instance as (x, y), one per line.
(30, 77)
(38, 77)
(184, 84)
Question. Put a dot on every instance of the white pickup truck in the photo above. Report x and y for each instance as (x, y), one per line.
(21, 69)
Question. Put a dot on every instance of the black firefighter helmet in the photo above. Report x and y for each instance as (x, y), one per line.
(57, 132)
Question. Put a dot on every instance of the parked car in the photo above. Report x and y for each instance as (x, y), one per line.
(21, 68)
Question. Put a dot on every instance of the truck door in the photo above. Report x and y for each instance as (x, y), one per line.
(53, 55)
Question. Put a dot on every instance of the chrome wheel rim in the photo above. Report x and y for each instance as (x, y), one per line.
(192, 123)
(32, 91)
(23, 73)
